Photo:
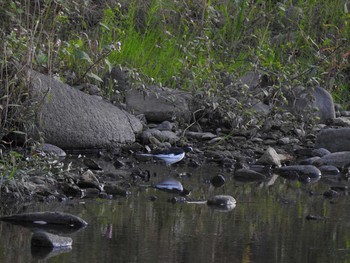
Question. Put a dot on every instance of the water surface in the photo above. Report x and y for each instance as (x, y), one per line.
(267, 225)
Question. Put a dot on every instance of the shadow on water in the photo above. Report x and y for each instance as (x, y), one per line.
(268, 224)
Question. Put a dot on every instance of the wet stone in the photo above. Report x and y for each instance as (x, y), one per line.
(329, 170)
(293, 172)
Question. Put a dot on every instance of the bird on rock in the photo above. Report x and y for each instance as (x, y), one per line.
(169, 155)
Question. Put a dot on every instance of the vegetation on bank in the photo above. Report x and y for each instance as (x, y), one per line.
(199, 46)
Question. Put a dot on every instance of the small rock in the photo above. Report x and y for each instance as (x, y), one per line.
(270, 157)
(165, 126)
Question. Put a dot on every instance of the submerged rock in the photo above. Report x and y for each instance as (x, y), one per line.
(225, 202)
(44, 239)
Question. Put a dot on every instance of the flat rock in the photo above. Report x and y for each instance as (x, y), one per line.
(159, 104)
(70, 118)
(44, 239)
(334, 140)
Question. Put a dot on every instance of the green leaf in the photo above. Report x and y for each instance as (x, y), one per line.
(83, 56)
(94, 76)
(109, 64)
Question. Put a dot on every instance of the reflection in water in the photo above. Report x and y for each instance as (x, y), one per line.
(267, 225)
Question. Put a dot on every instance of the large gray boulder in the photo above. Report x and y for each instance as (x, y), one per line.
(334, 140)
(159, 104)
(317, 99)
(70, 118)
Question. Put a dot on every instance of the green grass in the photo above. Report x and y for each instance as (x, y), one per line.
(187, 45)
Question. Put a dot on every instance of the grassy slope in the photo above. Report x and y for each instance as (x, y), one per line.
(194, 46)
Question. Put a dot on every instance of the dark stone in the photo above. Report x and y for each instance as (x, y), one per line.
(329, 170)
(294, 172)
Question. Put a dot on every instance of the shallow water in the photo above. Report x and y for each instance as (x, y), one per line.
(267, 225)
